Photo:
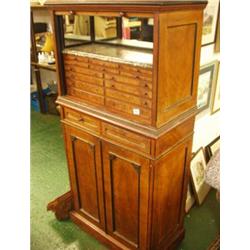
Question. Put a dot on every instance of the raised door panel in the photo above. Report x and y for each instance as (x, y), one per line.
(169, 193)
(126, 195)
(179, 57)
(83, 151)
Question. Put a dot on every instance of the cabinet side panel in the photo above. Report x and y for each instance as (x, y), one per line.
(170, 175)
(179, 55)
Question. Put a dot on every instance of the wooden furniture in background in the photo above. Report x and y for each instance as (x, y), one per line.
(34, 59)
(128, 122)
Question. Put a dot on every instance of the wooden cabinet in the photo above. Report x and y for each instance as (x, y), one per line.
(128, 117)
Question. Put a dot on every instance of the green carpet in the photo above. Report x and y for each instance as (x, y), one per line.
(49, 179)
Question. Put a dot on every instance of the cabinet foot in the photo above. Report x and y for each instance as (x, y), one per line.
(61, 206)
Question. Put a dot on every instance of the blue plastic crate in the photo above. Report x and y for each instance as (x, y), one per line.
(34, 100)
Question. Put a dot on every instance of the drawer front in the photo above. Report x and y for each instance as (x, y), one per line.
(83, 70)
(126, 138)
(74, 59)
(81, 85)
(82, 120)
(82, 77)
(133, 81)
(86, 96)
(104, 63)
(129, 110)
(103, 69)
(145, 103)
(139, 91)
(136, 70)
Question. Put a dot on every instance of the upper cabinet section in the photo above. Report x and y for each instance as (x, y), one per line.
(141, 66)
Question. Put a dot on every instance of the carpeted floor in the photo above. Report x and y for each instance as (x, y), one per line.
(49, 179)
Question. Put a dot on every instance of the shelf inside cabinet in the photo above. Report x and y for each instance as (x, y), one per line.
(44, 66)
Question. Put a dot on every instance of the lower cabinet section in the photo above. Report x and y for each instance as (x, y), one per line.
(126, 198)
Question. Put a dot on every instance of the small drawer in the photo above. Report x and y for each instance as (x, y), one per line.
(67, 64)
(73, 58)
(84, 121)
(85, 78)
(82, 70)
(104, 63)
(146, 78)
(82, 85)
(118, 95)
(144, 92)
(131, 110)
(86, 96)
(133, 81)
(126, 138)
(137, 70)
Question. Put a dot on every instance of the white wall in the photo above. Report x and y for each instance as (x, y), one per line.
(206, 126)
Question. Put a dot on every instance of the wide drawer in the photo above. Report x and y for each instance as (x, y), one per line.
(82, 70)
(82, 77)
(136, 81)
(144, 92)
(128, 110)
(118, 95)
(86, 96)
(82, 85)
(82, 120)
(126, 138)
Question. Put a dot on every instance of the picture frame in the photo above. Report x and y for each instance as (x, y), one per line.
(210, 17)
(211, 148)
(197, 169)
(215, 107)
(205, 83)
(217, 37)
(190, 198)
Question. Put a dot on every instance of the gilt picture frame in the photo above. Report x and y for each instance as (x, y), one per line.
(215, 107)
(197, 168)
(205, 83)
(210, 17)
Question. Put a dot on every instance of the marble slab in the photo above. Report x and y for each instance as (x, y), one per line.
(112, 53)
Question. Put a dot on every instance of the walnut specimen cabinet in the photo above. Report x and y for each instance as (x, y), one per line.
(127, 110)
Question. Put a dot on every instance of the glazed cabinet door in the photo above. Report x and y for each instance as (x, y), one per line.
(85, 169)
(126, 184)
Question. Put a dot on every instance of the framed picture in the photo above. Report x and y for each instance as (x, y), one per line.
(217, 37)
(190, 199)
(212, 147)
(216, 93)
(206, 79)
(197, 168)
(210, 22)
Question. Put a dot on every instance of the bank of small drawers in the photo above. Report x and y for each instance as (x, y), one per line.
(122, 89)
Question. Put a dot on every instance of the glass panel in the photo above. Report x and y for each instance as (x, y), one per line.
(135, 32)
(76, 29)
(105, 28)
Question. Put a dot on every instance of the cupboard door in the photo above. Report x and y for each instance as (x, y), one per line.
(84, 157)
(126, 177)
